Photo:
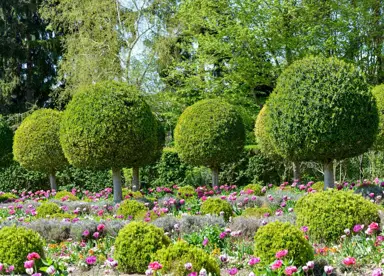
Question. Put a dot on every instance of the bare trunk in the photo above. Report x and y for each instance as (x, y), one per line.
(135, 179)
(329, 181)
(215, 177)
(296, 171)
(52, 181)
(117, 191)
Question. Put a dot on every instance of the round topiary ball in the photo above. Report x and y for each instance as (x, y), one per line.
(210, 133)
(186, 192)
(7, 197)
(217, 207)
(329, 213)
(277, 236)
(16, 243)
(378, 93)
(136, 243)
(6, 138)
(318, 186)
(263, 138)
(65, 196)
(255, 189)
(174, 258)
(36, 144)
(258, 212)
(47, 209)
(131, 208)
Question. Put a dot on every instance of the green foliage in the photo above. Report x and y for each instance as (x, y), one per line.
(263, 137)
(318, 109)
(258, 212)
(277, 236)
(174, 258)
(186, 192)
(318, 186)
(36, 142)
(131, 208)
(327, 214)
(47, 209)
(7, 197)
(108, 125)
(6, 138)
(366, 190)
(127, 192)
(210, 133)
(216, 206)
(136, 243)
(198, 176)
(256, 188)
(68, 195)
(378, 93)
(16, 243)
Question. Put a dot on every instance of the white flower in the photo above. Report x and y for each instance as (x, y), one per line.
(51, 270)
(29, 271)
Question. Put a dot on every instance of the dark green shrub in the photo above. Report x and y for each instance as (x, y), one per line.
(136, 243)
(16, 243)
(318, 186)
(186, 192)
(6, 138)
(258, 212)
(174, 258)
(216, 206)
(36, 143)
(277, 236)
(210, 133)
(327, 214)
(255, 188)
(366, 190)
(131, 208)
(378, 93)
(47, 209)
(7, 197)
(66, 195)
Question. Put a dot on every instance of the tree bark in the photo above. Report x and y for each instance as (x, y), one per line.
(117, 191)
(135, 179)
(215, 177)
(52, 181)
(296, 172)
(329, 181)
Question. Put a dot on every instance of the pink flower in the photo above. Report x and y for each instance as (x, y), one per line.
(374, 226)
(290, 270)
(304, 229)
(96, 235)
(233, 271)
(205, 242)
(29, 264)
(91, 260)
(193, 274)
(155, 266)
(377, 272)
(36, 274)
(223, 235)
(1, 267)
(358, 227)
(277, 264)
(100, 227)
(281, 254)
(33, 256)
(254, 261)
(349, 261)
(86, 233)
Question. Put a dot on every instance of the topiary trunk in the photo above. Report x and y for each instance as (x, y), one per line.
(215, 177)
(135, 179)
(296, 171)
(329, 181)
(117, 191)
(52, 181)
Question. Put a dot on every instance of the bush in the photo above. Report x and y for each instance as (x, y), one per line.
(174, 258)
(378, 93)
(131, 209)
(7, 197)
(256, 212)
(216, 206)
(136, 243)
(255, 188)
(278, 236)
(365, 190)
(186, 192)
(16, 243)
(318, 186)
(127, 192)
(48, 209)
(327, 214)
(6, 137)
(64, 195)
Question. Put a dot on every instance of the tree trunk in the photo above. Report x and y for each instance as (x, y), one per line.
(117, 191)
(52, 181)
(135, 179)
(215, 177)
(296, 172)
(329, 181)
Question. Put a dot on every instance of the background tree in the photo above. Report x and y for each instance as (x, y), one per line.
(6, 138)
(210, 133)
(317, 112)
(109, 125)
(37, 146)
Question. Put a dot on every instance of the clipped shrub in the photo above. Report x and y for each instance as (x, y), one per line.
(65, 195)
(47, 209)
(16, 243)
(378, 93)
(277, 236)
(174, 258)
(127, 192)
(6, 138)
(216, 206)
(256, 212)
(131, 209)
(7, 197)
(327, 214)
(186, 192)
(255, 188)
(136, 243)
(318, 186)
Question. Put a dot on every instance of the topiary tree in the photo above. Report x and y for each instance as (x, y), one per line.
(378, 93)
(36, 144)
(318, 111)
(216, 206)
(210, 133)
(6, 137)
(109, 125)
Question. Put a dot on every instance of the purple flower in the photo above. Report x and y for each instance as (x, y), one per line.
(358, 227)
(223, 258)
(96, 235)
(85, 233)
(253, 261)
(223, 235)
(188, 266)
(233, 271)
(91, 260)
(377, 272)
(205, 242)
(304, 229)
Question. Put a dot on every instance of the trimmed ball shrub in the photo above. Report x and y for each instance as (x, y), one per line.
(263, 138)
(327, 214)
(210, 133)
(6, 137)
(47, 209)
(174, 258)
(131, 208)
(136, 243)
(16, 243)
(109, 125)
(378, 93)
(256, 212)
(37, 146)
(318, 186)
(65, 195)
(216, 206)
(129, 193)
(318, 110)
(186, 192)
(255, 188)
(277, 236)
(7, 197)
